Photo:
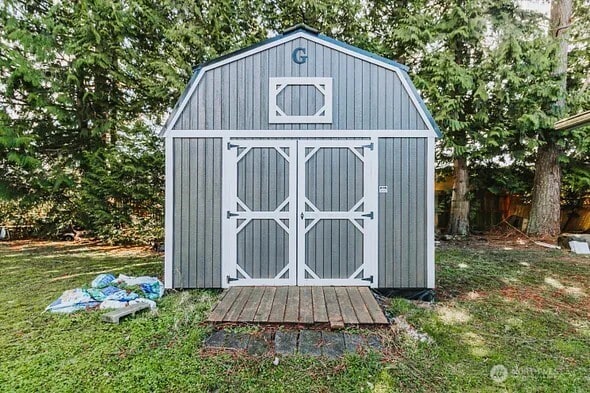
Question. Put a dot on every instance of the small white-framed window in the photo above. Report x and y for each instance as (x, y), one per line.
(278, 114)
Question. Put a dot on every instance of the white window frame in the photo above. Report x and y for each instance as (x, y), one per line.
(276, 114)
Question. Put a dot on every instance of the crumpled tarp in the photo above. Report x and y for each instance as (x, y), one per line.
(106, 292)
(72, 300)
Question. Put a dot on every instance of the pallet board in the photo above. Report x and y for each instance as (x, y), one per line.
(336, 306)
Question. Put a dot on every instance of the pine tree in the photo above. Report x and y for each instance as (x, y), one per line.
(80, 78)
(546, 198)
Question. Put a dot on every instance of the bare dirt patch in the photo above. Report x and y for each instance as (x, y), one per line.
(76, 246)
(542, 299)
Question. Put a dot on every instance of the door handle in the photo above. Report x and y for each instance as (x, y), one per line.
(370, 215)
(230, 214)
(301, 215)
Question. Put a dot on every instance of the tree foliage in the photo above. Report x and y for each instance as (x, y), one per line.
(84, 85)
(81, 81)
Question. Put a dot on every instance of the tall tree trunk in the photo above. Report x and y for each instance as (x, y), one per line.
(545, 205)
(459, 217)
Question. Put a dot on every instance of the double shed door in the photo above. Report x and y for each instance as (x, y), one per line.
(299, 212)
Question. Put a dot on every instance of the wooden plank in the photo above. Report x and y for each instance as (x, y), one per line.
(346, 309)
(224, 304)
(320, 314)
(333, 308)
(306, 305)
(278, 305)
(360, 309)
(372, 305)
(292, 309)
(265, 305)
(220, 299)
(236, 309)
(251, 306)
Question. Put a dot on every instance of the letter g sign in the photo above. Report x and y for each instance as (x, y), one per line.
(299, 55)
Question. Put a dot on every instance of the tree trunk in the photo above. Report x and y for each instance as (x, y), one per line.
(545, 206)
(459, 217)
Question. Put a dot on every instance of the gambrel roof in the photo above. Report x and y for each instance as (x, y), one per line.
(294, 33)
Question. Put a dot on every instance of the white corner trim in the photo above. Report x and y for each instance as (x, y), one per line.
(288, 38)
(277, 115)
(169, 214)
(430, 255)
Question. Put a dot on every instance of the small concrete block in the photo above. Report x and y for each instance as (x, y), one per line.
(310, 342)
(333, 344)
(353, 342)
(578, 247)
(216, 340)
(259, 344)
(115, 315)
(286, 342)
(236, 340)
(374, 342)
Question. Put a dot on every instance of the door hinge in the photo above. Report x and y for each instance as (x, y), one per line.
(230, 145)
(369, 279)
(230, 279)
(370, 215)
(230, 214)
(370, 146)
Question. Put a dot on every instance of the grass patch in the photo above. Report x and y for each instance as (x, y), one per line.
(526, 310)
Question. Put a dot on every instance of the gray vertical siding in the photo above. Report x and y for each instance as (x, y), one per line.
(235, 95)
(402, 213)
(197, 213)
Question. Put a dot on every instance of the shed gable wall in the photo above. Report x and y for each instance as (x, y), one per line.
(234, 96)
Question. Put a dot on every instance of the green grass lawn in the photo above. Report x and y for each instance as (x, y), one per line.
(527, 310)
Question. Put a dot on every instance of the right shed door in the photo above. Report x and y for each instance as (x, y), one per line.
(337, 217)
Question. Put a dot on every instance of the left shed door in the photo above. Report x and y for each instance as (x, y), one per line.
(259, 208)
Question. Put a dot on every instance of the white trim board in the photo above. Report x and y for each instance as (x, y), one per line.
(176, 113)
(430, 269)
(301, 134)
(169, 214)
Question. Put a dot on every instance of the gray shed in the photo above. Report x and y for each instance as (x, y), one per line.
(301, 160)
